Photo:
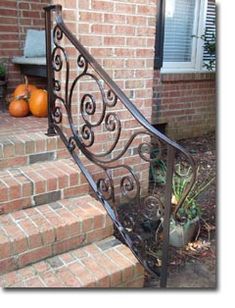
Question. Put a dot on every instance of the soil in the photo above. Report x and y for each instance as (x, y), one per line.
(194, 266)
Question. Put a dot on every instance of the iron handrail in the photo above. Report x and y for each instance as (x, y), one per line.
(85, 60)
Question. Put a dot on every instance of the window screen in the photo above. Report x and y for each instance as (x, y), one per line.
(179, 25)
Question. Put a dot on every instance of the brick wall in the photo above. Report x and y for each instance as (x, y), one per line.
(120, 35)
(186, 102)
(16, 16)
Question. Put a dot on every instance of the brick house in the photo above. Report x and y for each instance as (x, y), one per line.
(126, 37)
(122, 36)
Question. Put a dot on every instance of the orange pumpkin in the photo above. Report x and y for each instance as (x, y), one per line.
(38, 103)
(24, 89)
(19, 108)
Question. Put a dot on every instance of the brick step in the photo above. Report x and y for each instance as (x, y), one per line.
(104, 264)
(25, 149)
(39, 184)
(34, 234)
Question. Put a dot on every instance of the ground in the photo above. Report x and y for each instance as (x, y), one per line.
(195, 265)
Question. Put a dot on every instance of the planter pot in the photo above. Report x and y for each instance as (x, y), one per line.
(181, 234)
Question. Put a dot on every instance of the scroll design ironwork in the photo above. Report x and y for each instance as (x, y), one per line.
(151, 211)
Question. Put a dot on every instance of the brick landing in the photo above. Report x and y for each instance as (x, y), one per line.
(103, 264)
(14, 126)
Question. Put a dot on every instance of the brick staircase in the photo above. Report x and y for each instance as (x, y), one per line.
(52, 232)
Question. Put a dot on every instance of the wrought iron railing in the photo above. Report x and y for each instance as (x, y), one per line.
(133, 166)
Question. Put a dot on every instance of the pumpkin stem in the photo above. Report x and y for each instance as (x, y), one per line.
(26, 81)
(22, 97)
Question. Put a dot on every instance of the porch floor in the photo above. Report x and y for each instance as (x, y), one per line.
(13, 126)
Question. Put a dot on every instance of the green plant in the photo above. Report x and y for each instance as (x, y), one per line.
(210, 48)
(2, 70)
(209, 38)
(157, 168)
(190, 208)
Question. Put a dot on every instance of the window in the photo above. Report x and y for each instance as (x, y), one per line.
(182, 25)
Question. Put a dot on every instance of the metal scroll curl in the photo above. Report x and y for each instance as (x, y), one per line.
(83, 64)
(57, 115)
(153, 208)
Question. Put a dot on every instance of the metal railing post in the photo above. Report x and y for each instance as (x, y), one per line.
(50, 74)
(167, 214)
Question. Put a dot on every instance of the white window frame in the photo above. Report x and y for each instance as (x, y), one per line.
(197, 44)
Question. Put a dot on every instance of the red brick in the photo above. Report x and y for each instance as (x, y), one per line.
(63, 180)
(68, 278)
(125, 52)
(99, 234)
(114, 41)
(114, 18)
(51, 143)
(3, 191)
(8, 4)
(13, 162)
(46, 229)
(91, 40)
(125, 8)
(52, 181)
(86, 278)
(125, 265)
(35, 255)
(102, 29)
(5, 247)
(8, 264)
(74, 225)
(18, 237)
(146, 10)
(14, 189)
(138, 21)
(9, 279)
(38, 182)
(51, 280)
(41, 267)
(5, 10)
(14, 205)
(24, 6)
(34, 238)
(26, 185)
(26, 272)
(67, 244)
(125, 30)
(102, 5)
(31, 14)
(101, 275)
(67, 258)
(111, 267)
(75, 191)
(88, 16)
(34, 282)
